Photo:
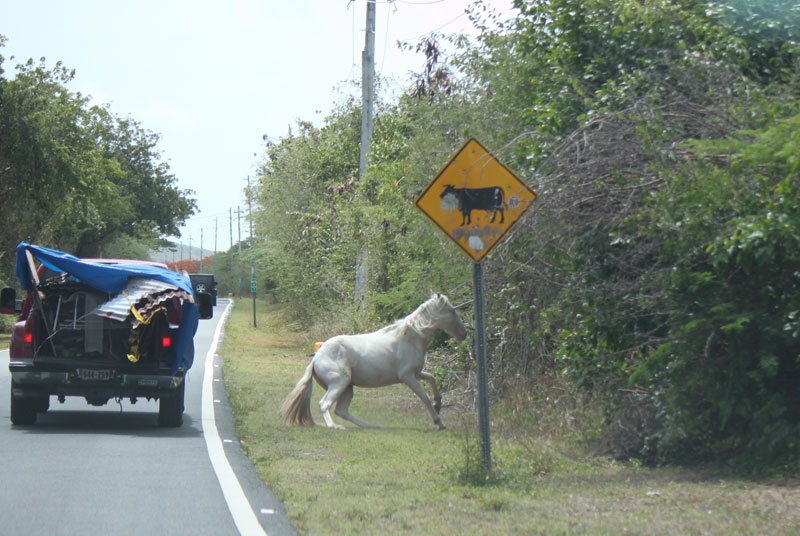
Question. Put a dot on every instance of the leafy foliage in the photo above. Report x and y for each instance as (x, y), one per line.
(75, 177)
(658, 268)
(729, 372)
(315, 214)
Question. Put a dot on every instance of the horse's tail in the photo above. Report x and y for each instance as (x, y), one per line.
(296, 409)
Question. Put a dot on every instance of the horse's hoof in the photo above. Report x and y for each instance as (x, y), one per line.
(336, 427)
(442, 427)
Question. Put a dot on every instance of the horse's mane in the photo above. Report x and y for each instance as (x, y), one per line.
(423, 317)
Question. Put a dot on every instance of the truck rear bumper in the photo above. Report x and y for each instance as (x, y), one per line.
(28, 380)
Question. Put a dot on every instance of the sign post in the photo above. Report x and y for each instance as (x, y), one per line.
(480, 358)
(253, 289)
(475, 200)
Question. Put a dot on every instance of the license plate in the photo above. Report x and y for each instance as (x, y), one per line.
(94, 374)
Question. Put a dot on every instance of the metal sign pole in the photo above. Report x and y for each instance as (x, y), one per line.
(253, 288)
(480, 356)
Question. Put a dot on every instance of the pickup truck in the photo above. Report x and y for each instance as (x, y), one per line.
(100, 329)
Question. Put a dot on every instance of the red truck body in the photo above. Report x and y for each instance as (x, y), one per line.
(74, 340)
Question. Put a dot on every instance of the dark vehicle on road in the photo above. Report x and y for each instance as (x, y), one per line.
(205, 284)
(100, 329)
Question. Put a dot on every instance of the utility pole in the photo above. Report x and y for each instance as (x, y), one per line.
(201, 249)
(250, 208)
(367, 89)
(239, 221)
(239, 259)
(253, 283)
(367, 108)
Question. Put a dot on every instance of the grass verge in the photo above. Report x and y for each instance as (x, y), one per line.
(6, 328)
(409, 478)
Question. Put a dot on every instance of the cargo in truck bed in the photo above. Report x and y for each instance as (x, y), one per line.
(100, 329)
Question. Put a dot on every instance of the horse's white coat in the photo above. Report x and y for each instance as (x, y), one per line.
(393, 354)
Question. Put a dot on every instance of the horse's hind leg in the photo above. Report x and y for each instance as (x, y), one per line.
(335, 390)
(437, 398)
(415, 386)
(343, 408)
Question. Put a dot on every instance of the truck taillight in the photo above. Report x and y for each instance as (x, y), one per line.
(166, 342)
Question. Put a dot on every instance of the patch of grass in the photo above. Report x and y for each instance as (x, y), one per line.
(409, 478)
(6, 329)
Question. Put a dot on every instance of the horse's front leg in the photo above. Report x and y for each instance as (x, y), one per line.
(415, 386)
(437, 398)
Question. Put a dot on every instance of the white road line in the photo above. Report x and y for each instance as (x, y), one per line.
(243, 515)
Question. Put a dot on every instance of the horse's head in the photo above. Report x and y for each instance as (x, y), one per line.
(447, 318)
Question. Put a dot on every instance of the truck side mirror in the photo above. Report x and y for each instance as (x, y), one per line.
(8, 301)
(205, 305)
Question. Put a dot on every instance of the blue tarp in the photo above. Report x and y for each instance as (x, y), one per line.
(112, 278)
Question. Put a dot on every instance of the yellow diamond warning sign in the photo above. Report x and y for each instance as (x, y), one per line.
(475, 200)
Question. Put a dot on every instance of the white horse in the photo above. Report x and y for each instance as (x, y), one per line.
(393, 354)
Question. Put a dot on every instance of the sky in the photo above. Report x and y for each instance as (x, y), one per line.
(212, 78)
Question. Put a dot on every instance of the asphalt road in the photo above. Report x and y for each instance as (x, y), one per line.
(111, 470)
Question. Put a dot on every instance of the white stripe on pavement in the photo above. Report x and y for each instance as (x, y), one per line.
(243, 515)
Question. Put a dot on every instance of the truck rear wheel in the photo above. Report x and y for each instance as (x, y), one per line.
(170, 408)
(23, 410)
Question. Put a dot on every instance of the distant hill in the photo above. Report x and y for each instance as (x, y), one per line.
(178, 253)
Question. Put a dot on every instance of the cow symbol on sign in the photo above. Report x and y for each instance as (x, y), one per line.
(469, 199)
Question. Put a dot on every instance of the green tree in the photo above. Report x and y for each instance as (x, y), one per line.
(630, 273)
(75, 177)
(42, 151)
(306, 184)
(601, 97)
(143, 200)
(313, 210)
(729, 372)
